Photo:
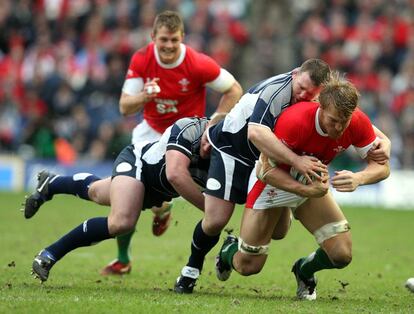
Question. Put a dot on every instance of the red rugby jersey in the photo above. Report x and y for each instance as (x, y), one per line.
(183, 91)
(298, 128)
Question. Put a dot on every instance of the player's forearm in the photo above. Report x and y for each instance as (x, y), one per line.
(230, 98)
(386, 142)
(186, 187)
(373, 173)
(381, 135)
(282, 180)
(190, 192)
(270, 145)
(132, 104)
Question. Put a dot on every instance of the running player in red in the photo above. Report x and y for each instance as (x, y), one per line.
(323, 131)
(166, 80)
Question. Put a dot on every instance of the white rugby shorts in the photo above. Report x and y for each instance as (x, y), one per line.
(265, 196)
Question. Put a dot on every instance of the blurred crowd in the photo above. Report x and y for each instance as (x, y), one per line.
(372, 41)
(63, 62)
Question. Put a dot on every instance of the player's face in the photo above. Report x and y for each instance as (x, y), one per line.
(332, 122)
(303, 88)
(167, 44)
(205, 147)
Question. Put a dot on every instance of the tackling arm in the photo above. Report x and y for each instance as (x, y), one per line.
(229, 98)
(348, 181)
(180, 178)
(266, 141)
(381, 150)
(282, 180)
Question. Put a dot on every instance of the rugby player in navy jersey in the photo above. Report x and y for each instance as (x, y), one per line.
(143, 176)
(237, 142)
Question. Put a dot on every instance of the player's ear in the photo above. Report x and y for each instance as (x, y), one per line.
(153, 36)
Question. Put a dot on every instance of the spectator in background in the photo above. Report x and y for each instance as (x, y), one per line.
(372, 43)
(82, 44)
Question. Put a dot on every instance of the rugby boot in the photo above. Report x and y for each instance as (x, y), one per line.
(42, 264)
(41, 195)
(116, 268)
(186, 282)
(306, 289)
(223, 269)
(161, 223)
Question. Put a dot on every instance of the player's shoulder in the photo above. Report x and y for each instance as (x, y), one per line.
(143, 52)
(198, 59)
(358, 113)
(300, 115)
(302, 109)
(359, 117)
(190, 121)
(190, 128)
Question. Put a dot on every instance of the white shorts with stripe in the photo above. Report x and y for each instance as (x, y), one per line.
(265, 196)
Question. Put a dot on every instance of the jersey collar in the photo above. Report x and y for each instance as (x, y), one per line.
(180, 59)
(318, 126)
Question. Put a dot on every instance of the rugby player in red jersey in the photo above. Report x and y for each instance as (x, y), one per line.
(322, 130)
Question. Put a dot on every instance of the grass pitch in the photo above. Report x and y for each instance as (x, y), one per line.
(373, 283)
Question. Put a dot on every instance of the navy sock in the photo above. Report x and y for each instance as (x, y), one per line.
(90, 232)
(78, 185)
(200, 246)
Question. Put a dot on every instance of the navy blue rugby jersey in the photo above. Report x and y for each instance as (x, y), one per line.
(184, 136)
(262, 104)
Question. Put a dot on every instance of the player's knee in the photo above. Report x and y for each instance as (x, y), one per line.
(93, 192)
(280, 234)
(252, 258)
(341, 256)
(214, 226)
(249, 266)
(121, 224)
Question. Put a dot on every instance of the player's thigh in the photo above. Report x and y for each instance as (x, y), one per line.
(257, 226)
(256, 232)
(318, 212)
(99, 191)
(127, 187)
(283, 225)
(127, 195)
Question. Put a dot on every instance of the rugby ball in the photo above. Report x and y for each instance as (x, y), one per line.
(153, 89)
(410, 284)
(295, 174)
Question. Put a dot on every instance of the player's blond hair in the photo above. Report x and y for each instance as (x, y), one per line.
(171, 20)
(318, 70)
(340, 93)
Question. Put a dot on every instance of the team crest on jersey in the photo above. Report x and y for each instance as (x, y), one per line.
(272, 193)
(184, 84)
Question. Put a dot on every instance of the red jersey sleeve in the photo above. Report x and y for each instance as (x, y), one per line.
(362, 131)
(207, 68)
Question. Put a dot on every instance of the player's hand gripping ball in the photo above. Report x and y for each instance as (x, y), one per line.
(153, 89)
